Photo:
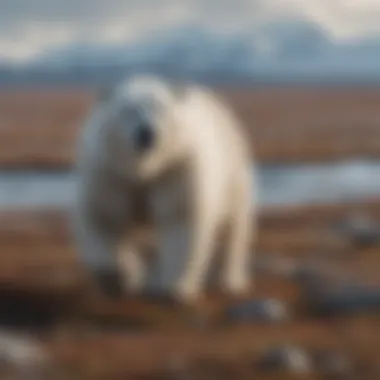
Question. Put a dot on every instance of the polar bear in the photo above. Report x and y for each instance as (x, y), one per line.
(181, 150)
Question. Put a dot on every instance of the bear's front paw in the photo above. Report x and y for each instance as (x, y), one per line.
(134, 285)
(237, 285)
(186, 292)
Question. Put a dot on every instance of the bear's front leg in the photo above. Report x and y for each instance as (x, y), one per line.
(202, 228)
(97, 252)
(132, 266)
(184, 253)
(173, 242)
(237, 277)
(198, 255)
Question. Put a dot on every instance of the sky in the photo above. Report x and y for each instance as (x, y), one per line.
(29, 27)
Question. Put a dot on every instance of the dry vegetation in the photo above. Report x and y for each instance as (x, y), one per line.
(38, 127)
(304, 260)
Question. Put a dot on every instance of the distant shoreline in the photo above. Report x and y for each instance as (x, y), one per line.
(286, 184)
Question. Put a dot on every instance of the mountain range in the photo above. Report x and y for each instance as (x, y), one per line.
(289, 52)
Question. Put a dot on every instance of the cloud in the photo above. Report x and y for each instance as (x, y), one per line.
(343, 19)
(29, 27)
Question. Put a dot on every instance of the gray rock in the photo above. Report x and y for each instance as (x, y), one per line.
(346, 301)
(270, 310)
(23, 357)
(286, 358)
(360, 229)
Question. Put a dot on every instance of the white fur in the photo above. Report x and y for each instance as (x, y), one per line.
(197, 179)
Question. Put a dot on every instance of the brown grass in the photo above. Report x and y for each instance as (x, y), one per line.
(39, 127)
(41, 271)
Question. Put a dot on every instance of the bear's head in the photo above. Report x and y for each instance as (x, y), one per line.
(147, 125)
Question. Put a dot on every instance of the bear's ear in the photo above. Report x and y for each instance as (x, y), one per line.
(105, 93)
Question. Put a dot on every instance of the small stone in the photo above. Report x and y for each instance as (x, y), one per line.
(361, 229)
(270, 310)
(289, 358)
(350, 300)
(20, 350)
(24, 357)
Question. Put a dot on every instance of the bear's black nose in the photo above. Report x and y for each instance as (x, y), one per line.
(144, 137)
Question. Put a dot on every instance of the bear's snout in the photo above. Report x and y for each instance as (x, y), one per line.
(144, 137)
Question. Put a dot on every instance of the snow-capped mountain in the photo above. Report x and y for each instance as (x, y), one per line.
(282, 51)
